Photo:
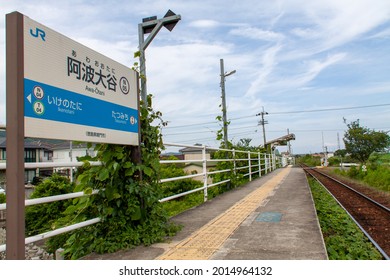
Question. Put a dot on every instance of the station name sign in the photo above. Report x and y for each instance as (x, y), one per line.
(72, 92)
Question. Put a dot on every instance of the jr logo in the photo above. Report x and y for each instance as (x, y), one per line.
(38, 32)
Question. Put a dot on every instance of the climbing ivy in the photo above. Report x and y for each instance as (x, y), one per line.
(236, 177)
(128, 199)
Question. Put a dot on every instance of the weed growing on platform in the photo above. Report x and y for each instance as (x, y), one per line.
(177, 206)
(343, 239)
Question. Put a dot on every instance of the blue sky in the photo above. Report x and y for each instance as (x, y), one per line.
(299, 60)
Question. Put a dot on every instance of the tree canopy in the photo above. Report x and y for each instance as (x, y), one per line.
(360, 141)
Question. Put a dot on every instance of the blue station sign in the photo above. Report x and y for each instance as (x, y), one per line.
(75, 93)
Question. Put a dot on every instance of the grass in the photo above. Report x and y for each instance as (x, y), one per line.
(179, 205)
(175, 207)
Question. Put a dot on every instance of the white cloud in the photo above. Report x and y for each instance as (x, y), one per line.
(204, 23)
(257, 34)
(315, 67)
(339, 22)
(306, 33)
(383, 34)
(282, 50)
(267, 65)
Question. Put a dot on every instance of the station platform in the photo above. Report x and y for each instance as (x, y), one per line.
(270, 218)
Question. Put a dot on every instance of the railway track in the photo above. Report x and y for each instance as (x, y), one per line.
(372, 217)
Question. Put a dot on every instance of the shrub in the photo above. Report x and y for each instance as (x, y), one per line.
(354, 173)
(309, 160)
(40, 218)
(378, 178)
(175, 187)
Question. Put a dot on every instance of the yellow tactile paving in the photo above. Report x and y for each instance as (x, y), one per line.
(202, 244)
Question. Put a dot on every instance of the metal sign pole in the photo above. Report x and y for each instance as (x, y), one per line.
(15, 137)
(152, 25)
(142, 64)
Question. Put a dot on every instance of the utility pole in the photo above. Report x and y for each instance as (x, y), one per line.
(288, 143)
(224, 110)
(338, 141)
(263, 123)
(339, 148)
(325, 150)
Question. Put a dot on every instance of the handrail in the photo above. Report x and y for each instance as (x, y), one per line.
(48, 199)
(52, 164)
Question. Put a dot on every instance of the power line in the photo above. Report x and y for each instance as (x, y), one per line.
(254, 132)
(314, 110)
(207, 131)
(284, 112)
(190, 124)
(330, 109)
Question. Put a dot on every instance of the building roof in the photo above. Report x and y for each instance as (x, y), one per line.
(45, 144)
(65, 145)
(192, 150)
(29, 143)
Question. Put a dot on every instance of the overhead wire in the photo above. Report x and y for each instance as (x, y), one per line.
(286, 112)
(255, 131)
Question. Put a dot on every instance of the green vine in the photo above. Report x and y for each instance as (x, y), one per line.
(128, 198)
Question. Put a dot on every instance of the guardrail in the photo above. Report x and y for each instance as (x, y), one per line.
(247, 163)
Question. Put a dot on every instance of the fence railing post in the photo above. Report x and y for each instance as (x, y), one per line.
(259, 163)
(274, 161)
(204, 164)
(234, 163)
(250, 166)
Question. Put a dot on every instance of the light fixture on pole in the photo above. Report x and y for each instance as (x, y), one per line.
(224, 117)
(152, 25)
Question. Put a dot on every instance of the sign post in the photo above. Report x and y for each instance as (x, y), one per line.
(15, 137)
(59, 89)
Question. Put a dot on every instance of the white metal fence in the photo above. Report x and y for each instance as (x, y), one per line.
(248, 164)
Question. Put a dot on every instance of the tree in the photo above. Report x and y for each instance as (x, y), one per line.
(341, 153)
(360, 141)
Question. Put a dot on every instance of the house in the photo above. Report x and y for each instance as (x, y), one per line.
(194, 153)
(196, 167)
(166, 156)
(35, 150)
(69, 151)
(44, 150)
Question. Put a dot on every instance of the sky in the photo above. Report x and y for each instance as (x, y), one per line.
(313, 66)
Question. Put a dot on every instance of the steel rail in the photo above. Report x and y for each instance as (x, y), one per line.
(381, 251)
(355, 191)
